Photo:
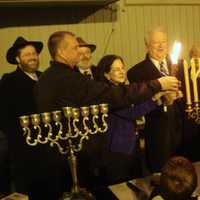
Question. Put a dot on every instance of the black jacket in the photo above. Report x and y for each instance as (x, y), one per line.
(17, 99)
(162, 129)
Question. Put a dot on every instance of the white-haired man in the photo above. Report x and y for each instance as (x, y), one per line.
(162, 130)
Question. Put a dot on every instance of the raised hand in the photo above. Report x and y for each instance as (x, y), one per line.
(169, 83)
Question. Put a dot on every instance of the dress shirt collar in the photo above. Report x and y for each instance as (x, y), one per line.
(84, 71)
(32, 75)
(157, 63)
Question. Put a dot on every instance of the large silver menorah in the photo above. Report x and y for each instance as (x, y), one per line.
(192, 101)
(67, 130)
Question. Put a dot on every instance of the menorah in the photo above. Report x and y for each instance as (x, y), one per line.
(192, 104)
(67, 130)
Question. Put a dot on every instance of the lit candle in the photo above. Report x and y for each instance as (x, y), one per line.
(194, 81)
(175, 52)
(174, 57)
(187, 83)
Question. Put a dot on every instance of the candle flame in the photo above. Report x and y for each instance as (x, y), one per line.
(175, 52)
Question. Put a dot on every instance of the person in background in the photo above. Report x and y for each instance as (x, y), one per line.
(195, 51)
(61, 85)
(178, 180)
(122, 156)
(162, 131)
(17, 99)
(85, 65)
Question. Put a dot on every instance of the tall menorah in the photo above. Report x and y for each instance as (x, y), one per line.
(191, 75)
(191, 87)
(67, 130)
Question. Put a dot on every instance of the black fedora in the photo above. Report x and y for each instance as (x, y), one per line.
(20, 42)
(82, 43)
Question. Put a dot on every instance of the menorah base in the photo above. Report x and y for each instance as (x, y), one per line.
(81, 195)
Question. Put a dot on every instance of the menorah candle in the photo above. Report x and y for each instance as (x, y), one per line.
(176, 49)
(197, 65)
(187, 83)
(194, 81)
(175, 52)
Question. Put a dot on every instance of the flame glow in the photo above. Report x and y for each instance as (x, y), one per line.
(175, 52)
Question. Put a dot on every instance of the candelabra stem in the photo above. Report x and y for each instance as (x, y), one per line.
(77, 193)
(73, 167)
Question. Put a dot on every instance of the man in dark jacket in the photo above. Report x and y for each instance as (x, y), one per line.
(162, 130)
(17, 98)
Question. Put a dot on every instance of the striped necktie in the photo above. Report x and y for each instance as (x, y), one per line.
(163, 69)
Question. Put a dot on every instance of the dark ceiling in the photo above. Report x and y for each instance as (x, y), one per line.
(48, 12)
(14, 3)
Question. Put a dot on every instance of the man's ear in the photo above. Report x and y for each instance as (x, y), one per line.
(59, 52)
(17, 59)
(107, 76)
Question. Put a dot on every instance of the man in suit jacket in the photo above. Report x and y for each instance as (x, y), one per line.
(71, 88)
(162, 129)
(17, 99)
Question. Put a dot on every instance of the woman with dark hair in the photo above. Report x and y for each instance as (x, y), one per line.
(121, 159)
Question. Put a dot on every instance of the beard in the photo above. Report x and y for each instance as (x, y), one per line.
(84, 64)
(30, 66)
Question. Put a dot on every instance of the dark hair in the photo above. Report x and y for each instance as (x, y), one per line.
(55, 39)
(104, 65)
(178, 179)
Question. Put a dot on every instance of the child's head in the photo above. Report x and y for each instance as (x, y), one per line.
(178, 179)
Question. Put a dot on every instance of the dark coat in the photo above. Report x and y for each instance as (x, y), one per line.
(162, 129)
(121, 131)
(123, 157)
(17, 99)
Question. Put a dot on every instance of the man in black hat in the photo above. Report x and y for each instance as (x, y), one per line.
(17, 99)
(85, 66)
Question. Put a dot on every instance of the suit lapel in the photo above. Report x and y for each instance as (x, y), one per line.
(25, 76)
(152, 69)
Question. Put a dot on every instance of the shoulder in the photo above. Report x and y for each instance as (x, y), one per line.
(8, 76)
(8, 80)
(16, 78)
(137, 71)
(138, 66)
